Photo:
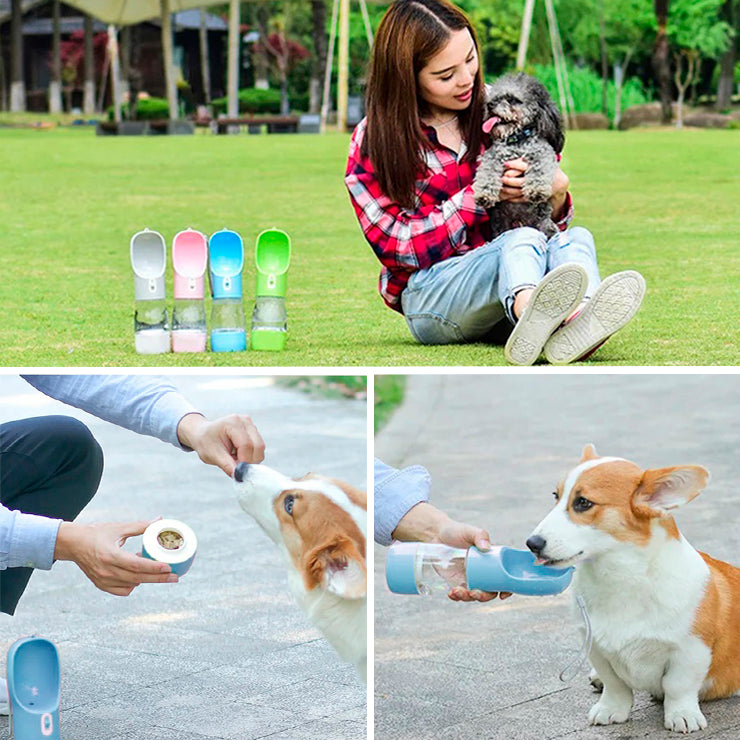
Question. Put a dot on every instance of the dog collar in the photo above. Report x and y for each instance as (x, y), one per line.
(519, 136)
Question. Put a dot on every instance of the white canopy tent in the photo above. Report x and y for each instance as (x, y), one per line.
(127, 12)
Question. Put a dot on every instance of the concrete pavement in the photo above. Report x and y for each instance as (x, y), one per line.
(496, 446)
(225, 653)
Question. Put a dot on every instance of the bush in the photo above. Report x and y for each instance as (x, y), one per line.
(252, 101)
(586, 89)
(147, 109)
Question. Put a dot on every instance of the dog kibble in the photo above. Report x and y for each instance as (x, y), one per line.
(170, 540)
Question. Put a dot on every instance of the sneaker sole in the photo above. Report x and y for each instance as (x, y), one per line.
(557, 295)
(613, 305)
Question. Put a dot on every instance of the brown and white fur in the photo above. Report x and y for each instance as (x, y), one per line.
(665, 618)
(319, 524)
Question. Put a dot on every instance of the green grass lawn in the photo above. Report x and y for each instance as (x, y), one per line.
(663, 202)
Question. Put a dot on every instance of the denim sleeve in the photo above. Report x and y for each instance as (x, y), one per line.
(396, 492)
(148, 405)
(26, 540)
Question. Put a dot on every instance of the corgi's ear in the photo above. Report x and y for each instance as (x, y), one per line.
(664, 489)
(340, 567)
(589, 453)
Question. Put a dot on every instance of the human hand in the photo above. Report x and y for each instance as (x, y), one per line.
(512, 181)
(457, 534)
(223, 442)
(96, 548)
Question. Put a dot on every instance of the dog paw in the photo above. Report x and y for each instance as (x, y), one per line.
(685, 720)
(607, 713)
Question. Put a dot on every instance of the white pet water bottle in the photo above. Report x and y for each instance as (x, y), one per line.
(148, 260)
(425, 568)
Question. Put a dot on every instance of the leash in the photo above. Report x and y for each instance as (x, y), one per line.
(573, 668)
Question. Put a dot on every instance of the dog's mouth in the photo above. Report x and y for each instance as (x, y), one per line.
(559, 562)
(489, 124)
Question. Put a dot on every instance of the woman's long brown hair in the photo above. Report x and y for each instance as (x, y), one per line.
(410, 34)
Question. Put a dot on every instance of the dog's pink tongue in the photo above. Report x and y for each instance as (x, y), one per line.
(489, 124)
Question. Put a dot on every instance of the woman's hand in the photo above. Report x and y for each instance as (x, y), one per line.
(512, 181)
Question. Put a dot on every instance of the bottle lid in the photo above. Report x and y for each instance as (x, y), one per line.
(508, 569)
(400, 568)
(226, 259)
(189, 260)
(272, 259)
(148, 253)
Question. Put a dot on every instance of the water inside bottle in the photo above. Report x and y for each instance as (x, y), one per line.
(270, 314)
(227, 314)
(150, 315)
(440, 568)
(189, 314)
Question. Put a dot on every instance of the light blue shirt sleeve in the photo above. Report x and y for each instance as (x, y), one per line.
(148, 405)
(144, 404)
(396, 492)
(26, 540)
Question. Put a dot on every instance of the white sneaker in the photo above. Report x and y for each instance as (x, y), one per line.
(553, 300)
(612, 306)
(4, 700)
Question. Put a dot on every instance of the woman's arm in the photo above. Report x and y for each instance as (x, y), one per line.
(408, 238)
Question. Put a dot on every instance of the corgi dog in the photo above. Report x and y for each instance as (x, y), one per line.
(665, 618)
(319, 524)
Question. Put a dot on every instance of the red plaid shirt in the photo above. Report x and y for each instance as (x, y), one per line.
(445, 221)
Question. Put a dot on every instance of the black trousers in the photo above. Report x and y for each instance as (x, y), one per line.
(50, 466)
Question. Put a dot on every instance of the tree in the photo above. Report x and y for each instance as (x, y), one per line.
(696, 30)
(609, 34)
(17, 81)
(730, 15)
(318, 68)
(284, 53)
(662, 61)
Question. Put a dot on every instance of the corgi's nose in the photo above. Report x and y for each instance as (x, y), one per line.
(240, 473)
(536, 544)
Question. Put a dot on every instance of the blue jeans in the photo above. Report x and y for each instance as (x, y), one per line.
(463, 299)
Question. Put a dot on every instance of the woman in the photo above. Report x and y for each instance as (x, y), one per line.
(411, 166)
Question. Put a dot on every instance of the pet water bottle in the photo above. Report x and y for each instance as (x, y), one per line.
(228, 323)
(189, 259)
(426, 568)
(148, 260)
(269, 318)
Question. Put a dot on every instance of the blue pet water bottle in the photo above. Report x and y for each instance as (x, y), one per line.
(425, 568)
(226, 261)
(148, 260)
(34, 688)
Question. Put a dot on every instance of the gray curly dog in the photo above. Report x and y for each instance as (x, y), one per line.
(522, 121)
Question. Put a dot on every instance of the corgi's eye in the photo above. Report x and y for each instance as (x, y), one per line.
(288, 504)
(555, 493)
(582, 504)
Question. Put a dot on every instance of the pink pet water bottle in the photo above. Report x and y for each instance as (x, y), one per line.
(189, 259)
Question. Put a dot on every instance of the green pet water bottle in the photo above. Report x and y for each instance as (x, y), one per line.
(270, 318)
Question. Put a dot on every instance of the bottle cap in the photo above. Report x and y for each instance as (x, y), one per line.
(189, 260)
(148, 253)
(400, 568)
(508, 569)
(226, 258)
(272, 258)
